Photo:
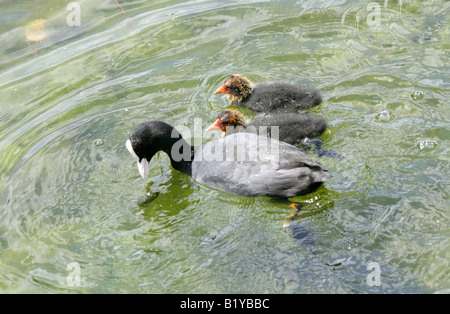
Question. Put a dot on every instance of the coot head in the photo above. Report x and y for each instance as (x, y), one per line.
(237, 86)
(149, 138)
(228, 118)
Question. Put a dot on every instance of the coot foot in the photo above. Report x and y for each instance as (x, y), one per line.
(318, 150)
(303, 235)
(288, 221)
(327, 153)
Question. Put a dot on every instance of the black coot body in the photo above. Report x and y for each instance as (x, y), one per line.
(293, 129)
(280, 97)
(269, 97)
(243, 163)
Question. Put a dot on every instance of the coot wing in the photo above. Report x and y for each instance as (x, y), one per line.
(250, 165)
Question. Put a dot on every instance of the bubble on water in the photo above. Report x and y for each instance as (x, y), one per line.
(428, 144)
(99, 142)
(385, 116)
(417, 95)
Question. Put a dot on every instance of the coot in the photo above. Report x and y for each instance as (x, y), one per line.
(294, 129)
(269, 97)
(243, 163)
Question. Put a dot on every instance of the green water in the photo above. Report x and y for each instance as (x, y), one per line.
(70, 193)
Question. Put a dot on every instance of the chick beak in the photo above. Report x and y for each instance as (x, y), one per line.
(215, 126)
(222, 89)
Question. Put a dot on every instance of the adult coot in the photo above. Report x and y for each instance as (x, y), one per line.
(243, 163)
(269, 97)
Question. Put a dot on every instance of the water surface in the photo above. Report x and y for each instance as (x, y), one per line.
(71, 194)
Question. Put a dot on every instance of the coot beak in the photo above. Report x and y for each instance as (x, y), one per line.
(142, 163)
(222, 89)
(215, 126)
(131, 150)
(143, 168)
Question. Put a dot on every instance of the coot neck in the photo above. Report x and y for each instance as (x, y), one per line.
(186, 153)
(180, 152)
